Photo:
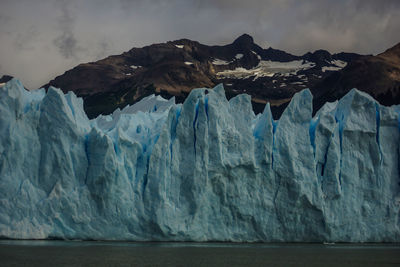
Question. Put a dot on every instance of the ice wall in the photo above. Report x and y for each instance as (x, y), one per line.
(205, 170)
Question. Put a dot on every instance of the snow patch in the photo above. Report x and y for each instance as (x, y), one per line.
(339, 63)
(258, 56)
(218, 61)
(330, 68)
(336, 65)
(179, 46)
(239, 56)
(267, 69)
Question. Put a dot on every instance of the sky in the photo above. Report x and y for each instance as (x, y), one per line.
(41, 39)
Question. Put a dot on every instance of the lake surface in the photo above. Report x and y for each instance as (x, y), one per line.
(92, 253)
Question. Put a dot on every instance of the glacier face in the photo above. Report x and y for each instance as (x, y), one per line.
(208, 169)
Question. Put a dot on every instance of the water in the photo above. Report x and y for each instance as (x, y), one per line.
(79, 253)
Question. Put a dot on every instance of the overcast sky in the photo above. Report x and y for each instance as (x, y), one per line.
(41, 39)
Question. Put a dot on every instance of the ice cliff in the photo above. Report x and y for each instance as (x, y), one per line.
(208, 169)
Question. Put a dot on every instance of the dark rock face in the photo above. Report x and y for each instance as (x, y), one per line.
(268, 75)
(5, 78)
(378, 75)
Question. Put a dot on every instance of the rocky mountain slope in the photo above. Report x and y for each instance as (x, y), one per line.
(4, 79)
(378, 75)
(175, 68)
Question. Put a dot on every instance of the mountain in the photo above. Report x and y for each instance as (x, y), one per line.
(378, 75)
(175, 68)
(5, 78)
(204, 170)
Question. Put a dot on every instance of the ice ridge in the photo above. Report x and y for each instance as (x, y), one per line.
(206, 170)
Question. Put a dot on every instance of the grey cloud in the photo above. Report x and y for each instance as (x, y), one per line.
(359, 26)
(24, 40)
(60, 39)
(66, 41)
(67, 44)
(4, 18)
(103, 49)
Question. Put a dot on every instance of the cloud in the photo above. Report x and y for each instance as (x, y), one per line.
(4, 18)
(24, 40)
(357, 26)
(66, 41)
(103, 49)
(58, 35)
(67, 44)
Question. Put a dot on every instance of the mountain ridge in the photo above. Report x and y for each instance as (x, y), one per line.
(378, 75)
(176, 67)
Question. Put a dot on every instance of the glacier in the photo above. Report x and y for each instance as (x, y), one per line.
(205, 170)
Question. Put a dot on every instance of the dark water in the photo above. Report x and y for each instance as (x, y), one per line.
(75, 253)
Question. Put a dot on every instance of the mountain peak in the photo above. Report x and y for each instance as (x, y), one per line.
(176, 67)
(5, 78)
(392, 56)
(393, 50)
(244, 39)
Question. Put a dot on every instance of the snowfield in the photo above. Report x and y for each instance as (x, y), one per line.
(267, 68)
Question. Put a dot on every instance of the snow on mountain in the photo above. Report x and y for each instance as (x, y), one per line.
(258, 56)
(166, 68)
(238, 56)
(335, 66)
(267, 68)
(339, 63)
(205, 170)
(217, 61)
